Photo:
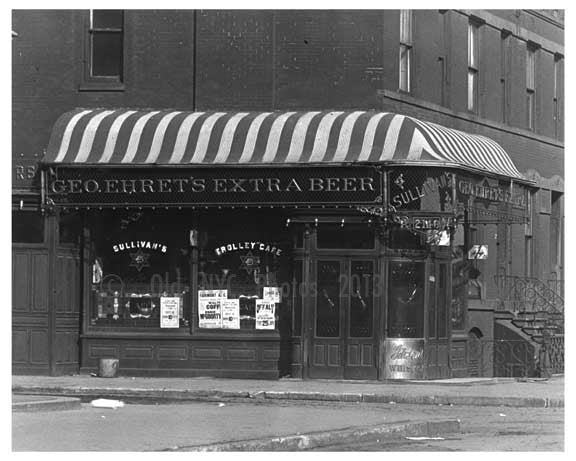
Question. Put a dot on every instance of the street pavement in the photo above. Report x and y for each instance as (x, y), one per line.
(465, 391)
(238, 415)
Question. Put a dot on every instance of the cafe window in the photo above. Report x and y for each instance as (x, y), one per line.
(140, 271)
(27, 227)
(406, 300)
(244, 273)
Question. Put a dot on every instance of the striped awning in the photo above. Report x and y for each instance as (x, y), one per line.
(166, 137)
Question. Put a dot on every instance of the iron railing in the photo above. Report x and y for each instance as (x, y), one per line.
(516, 358)
(529, 294)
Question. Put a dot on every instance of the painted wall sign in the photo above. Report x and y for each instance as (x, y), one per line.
(260, 246)
(74, 186)
(169, 312)
(404, 358)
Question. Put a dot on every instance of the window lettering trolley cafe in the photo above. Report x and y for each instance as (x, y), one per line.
(261, 245)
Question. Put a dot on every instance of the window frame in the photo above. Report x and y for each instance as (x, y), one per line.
(473, 65)
(405, 51)
(557, 107)
(92, 82)
(530, 79)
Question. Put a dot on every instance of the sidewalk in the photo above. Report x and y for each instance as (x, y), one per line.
(470, 391)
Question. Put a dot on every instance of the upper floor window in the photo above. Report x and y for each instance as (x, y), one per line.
(504, 73)
(473, 55)
(105, 48)
(530, 86)
(557, 95)
(405, 52)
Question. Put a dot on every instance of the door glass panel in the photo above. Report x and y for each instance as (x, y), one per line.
(442, 302)
(328, 299)
(297, 294)
(406, 300)
(432, 304)
(361, 298)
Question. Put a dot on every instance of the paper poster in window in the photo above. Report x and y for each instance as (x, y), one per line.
(265, 315)
(209, 312)
(271, 294)
(169, 312)
(231, 314)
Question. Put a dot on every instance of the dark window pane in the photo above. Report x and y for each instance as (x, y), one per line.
(328, 300)
(404, 239)
(27, 227)
(106, 54)
(361, 298)
(345, 237)
(406, 300)
(442, 302)
(70, 227)
(107, 19)
(459, 281)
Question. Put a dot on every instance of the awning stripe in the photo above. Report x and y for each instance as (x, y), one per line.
(68, 135)
(122, 136)
(159, 137)
(392, 134)
(136, 135)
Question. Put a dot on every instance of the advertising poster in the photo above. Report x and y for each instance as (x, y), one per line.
(231, 314)
(265, 315)
(404, 358)
(169, 312)
(271, 294)
(209, 312)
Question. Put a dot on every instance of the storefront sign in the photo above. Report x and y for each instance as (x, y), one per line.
(169, 312)
(265, 315)
(247, 246)
(490, 193)
(405, 358)
(74, 186)
(271, 294)
(422, 223)
(135, 244)
(231, 314)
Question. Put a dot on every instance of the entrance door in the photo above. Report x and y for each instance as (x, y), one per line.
(341, 335)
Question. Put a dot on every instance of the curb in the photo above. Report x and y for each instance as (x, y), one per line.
(208, 395)
(335, 437)
(49, 404)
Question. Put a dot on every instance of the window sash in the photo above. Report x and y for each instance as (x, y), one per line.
(530, 69)
(473, 46)
(406, 27)
(404, 68)
(530, 109)
(107, 66)
(472, 89)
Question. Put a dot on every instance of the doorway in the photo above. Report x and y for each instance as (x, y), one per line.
(342, 341)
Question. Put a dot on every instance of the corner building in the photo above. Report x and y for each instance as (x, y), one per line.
(315, 194)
